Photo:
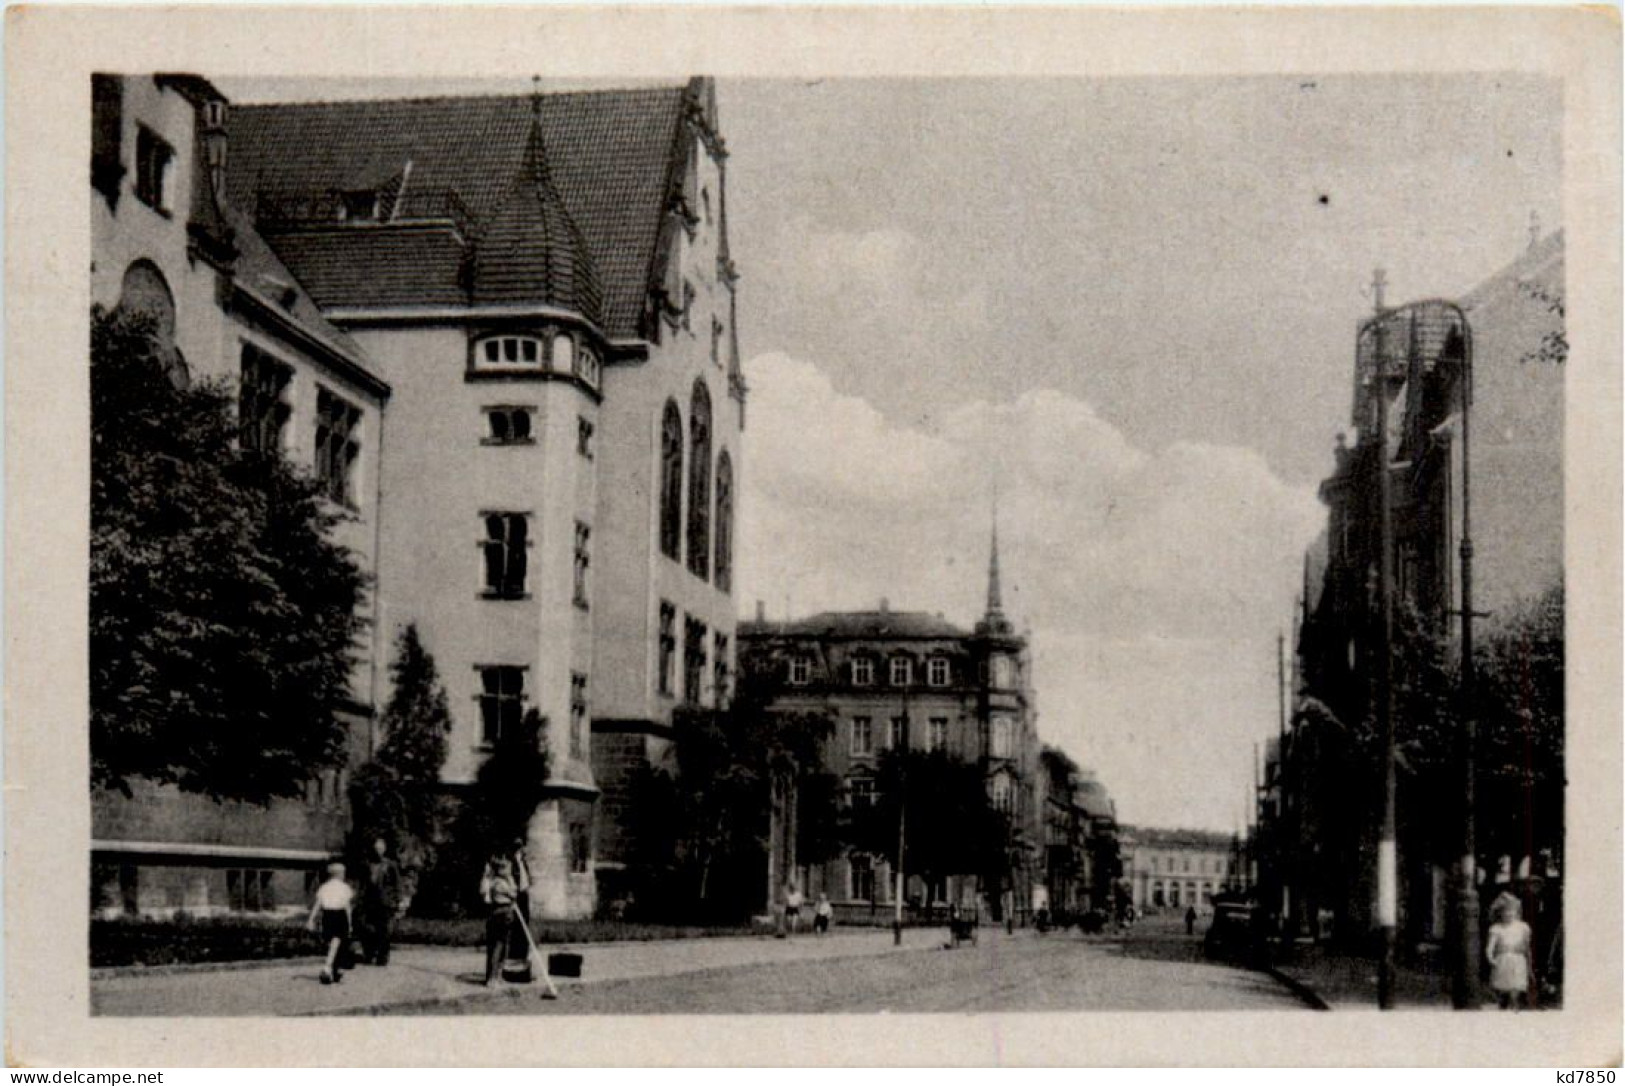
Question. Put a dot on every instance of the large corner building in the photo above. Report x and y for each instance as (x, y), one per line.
(541, 286)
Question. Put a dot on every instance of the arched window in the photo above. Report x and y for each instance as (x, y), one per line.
(725, 522)
(699, 482)
(146, 291)
(671, 481)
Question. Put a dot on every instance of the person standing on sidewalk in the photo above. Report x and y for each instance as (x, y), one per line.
(792, 908)
(823, 912)
(379, 902)
(519, 950)
(500, 892)
(1190, 920)
(330, 914)
(1508, 950)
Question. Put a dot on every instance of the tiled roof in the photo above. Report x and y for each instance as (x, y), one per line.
(260, 269)
(858, 624)
(531, 249)
(377, 266)
(610, 154)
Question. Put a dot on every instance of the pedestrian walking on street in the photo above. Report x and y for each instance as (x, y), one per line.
(380, 900)
(1190, 920)
(823, 912)
(792, 908)
(1508, 950)
(330, 915)
(500, 893)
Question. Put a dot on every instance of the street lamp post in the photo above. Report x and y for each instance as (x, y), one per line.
(1387, 842)
(1464, 987)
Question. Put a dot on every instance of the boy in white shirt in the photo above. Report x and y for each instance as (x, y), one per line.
(331, 916)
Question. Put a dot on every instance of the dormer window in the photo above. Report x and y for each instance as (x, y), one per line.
(800, 671)
(863, 671)
(504, 352)
(902, 671)
(358, 205)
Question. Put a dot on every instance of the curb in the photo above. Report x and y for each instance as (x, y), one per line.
(1299, 989)
(113, 972)
(484, 995)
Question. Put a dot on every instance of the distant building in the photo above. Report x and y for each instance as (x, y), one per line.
(165, 241)
(1080, 856)
(895, 678)
(1178, 868)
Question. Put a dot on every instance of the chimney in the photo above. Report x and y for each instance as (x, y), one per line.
(761, 611)
(214, 143)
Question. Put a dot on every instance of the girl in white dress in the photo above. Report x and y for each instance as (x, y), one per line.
(1508, 951)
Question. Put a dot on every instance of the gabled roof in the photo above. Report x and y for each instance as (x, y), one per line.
(859, 625)
(610, 155)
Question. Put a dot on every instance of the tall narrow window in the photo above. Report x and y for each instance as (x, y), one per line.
(262, 409)
(693, 660)
(863, 736)
(937, 671)
(578, 714)
(699, 482)
(337, 445)
(899, 733)
(154, 171)
(1003, 736)
(671, 481)
(506, 540)
(502, 693)
(719, 667)
(668, 645)
(583, 561)
(725, 522)
(580, 848)
(937, 733)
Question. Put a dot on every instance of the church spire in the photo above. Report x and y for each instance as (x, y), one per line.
(995, 601)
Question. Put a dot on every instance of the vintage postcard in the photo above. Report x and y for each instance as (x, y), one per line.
(743, 528)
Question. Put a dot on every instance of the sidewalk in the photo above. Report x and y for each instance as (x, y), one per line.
(423, 976)
(1345, 982)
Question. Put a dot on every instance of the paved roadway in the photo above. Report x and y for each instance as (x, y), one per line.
(1151, 970)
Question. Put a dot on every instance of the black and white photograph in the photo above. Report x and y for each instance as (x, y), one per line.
(761, 543)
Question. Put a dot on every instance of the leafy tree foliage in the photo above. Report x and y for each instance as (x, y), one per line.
(951, 827)
(398, 795)
(701, 821)
(223, 616)
(492, 814)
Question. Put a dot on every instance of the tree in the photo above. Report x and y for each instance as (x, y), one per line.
(487, 817)
(397, 795)
(951, 826)
(223, 617)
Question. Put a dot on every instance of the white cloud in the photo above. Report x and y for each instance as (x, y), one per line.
(1154, 580)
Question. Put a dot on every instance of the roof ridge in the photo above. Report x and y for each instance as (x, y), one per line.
(326, 103)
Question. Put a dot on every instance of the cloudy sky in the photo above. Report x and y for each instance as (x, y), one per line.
(1127, 305)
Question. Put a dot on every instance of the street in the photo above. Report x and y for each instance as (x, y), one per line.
(1154, 968)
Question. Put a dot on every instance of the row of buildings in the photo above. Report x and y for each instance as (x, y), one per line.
(1500, 349)
(501, 331)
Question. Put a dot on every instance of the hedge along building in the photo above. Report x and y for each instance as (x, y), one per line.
(545, 281)
(164, 241)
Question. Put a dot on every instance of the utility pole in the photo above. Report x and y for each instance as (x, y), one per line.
(1282, 849)
(1464, 987)
(901, 755)
(1387, 846)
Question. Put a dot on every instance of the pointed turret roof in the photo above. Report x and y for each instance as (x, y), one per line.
(532, 251)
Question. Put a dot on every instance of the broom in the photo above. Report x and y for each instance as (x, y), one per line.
(538, 960)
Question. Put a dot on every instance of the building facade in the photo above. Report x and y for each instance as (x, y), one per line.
(545, 283)
(1321, 820)
(165, 241)
(1177, 869)
(910, 680)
